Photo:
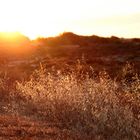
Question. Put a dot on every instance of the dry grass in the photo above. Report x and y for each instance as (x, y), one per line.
(95, 107)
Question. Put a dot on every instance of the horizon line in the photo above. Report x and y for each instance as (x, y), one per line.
(61, 33)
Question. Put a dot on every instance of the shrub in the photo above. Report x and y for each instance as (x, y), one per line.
(94, 106)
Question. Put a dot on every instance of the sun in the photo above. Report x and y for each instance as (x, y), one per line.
(13, 40)
(30, 27)
(28, 18)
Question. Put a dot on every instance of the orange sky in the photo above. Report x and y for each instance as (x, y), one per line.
(50, 17)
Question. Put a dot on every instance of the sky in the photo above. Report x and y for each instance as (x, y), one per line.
(36, 18)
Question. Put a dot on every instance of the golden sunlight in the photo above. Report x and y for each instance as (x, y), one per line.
(50, 17)
(13, 40)
(9, 35)
(70, 69)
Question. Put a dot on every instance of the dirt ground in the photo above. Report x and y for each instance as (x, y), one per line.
(20, 128)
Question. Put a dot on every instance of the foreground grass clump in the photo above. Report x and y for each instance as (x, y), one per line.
(95, 106)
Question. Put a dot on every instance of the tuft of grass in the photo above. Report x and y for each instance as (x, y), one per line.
(96, 106)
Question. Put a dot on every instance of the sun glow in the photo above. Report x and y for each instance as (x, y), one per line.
(50, 17)
(13, 40)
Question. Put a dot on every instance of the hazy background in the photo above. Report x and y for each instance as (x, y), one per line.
(50, 17)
